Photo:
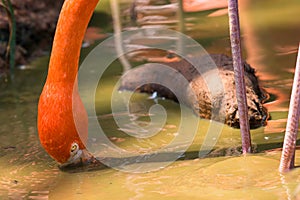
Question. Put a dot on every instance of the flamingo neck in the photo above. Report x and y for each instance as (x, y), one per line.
(71, 27)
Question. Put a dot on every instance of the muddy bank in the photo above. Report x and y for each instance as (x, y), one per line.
(35, 26)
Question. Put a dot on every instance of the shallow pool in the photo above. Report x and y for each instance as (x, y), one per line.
(270, 33)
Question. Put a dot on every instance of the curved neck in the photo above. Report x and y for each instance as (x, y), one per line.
(70, 30)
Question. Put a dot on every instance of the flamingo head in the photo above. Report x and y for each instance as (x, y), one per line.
(63, 124)
(77, 157)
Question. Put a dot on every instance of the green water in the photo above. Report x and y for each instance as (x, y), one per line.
(270, 32)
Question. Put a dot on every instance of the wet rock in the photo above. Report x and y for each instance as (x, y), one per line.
(194, 92)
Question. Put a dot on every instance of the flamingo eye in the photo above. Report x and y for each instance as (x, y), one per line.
(74, 148)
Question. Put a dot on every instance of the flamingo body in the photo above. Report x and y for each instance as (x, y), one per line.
(60, 105)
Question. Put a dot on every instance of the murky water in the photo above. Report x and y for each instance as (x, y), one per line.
(270, 31)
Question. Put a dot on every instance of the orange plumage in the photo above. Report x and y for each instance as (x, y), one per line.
(59, 104)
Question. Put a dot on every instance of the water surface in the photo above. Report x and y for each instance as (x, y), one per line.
(270, 32)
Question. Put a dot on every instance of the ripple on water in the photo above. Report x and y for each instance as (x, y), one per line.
(215, 178)
(27, 182)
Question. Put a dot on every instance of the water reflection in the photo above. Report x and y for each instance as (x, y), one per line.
(270, 33)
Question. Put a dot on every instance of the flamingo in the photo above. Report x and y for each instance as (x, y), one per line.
(59, 103)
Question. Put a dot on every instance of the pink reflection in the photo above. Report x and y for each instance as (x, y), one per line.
(202, 5)
(256, 56)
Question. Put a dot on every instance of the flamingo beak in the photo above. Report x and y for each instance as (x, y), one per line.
(80, 159)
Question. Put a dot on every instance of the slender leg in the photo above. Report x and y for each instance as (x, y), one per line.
(234, 25)
(118, 38)
(289, 144)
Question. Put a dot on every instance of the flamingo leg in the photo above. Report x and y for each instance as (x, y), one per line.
(291, 132)
(234, 26)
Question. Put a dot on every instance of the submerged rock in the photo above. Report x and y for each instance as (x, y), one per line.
(195, 92)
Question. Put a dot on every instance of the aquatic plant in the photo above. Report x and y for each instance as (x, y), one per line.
(11, 45)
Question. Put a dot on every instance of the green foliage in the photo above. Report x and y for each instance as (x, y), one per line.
(11, 45)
